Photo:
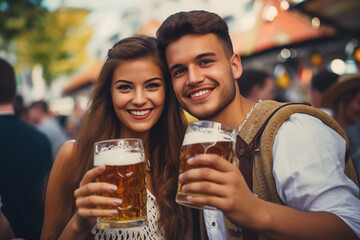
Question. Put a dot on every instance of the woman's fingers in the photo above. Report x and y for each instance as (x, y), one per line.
(93, 188)
(91, 174)
(94, 212)
(93, 201)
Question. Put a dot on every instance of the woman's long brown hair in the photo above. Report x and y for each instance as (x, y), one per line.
(100, 123)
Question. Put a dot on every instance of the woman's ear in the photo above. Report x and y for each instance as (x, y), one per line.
(236, 66)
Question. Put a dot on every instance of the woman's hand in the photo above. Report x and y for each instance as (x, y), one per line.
(87, 200)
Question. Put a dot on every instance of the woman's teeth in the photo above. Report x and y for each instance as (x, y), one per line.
(140, 113)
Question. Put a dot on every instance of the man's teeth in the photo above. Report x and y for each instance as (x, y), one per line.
(140, 113)
(198, 94)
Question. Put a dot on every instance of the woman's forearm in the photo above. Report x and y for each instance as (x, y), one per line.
(74, 230)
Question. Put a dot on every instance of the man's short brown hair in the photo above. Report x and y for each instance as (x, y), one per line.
(193, 22)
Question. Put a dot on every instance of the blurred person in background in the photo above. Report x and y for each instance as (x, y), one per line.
(19, 108)
(74, 121)
(25, 160)
(131, 99)
(39, 116)
(320, 82)
(343, 98)
(353, 132)
(6, 231)
(256, 85)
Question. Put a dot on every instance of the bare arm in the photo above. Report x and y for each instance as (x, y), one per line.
(84, 219)
(229, 193)
(6, 231)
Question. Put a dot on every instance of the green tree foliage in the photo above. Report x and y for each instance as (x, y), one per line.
(16, 17)
(57, 42)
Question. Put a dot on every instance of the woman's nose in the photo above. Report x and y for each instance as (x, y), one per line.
(139, 97)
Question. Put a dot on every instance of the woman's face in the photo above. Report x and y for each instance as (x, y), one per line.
(352, 110)
(138, 95)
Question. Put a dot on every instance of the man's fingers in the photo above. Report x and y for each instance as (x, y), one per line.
(206, 188)
(201, 174)
(211, 160)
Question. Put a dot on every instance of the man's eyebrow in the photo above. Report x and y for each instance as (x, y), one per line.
(174, 67)
(207, 54)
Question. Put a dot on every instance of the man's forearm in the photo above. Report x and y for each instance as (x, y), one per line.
(281, 222)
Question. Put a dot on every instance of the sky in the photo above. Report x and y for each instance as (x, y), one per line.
(91, 4)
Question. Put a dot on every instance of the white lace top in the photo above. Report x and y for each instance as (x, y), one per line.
(151, 231)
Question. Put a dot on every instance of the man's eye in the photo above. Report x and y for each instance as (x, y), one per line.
(124, 87)
(205, 61)
(179, 72)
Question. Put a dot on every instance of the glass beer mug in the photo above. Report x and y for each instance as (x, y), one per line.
(204, 137)
(124, 162)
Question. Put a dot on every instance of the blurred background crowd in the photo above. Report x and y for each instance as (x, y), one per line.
(58, 46)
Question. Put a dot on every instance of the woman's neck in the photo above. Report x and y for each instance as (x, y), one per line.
(143, 136)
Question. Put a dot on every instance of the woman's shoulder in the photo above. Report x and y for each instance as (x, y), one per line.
(66, 149)
(64, 156)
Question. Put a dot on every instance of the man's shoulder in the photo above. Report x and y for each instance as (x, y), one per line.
(279, 113)
(23, 132)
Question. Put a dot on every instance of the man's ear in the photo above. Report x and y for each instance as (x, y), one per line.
(236, 66)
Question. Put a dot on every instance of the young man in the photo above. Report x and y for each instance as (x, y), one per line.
(320, 82)
(40, 117)
(25, 160)
(319, 201)
(255, 85)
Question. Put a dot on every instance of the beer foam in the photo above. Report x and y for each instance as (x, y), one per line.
(205, 137)
(118, 157)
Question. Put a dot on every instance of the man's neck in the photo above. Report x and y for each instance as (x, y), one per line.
(6, 109)
(235, 113)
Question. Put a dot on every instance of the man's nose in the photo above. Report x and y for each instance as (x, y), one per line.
(194, 75)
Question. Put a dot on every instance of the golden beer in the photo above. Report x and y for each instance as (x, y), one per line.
(126, 170)
(213, 141)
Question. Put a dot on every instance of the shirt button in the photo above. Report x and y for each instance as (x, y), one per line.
(213, 224)
(241, 152)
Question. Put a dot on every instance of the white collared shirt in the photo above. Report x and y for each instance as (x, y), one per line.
(307, 171)
(215, 226)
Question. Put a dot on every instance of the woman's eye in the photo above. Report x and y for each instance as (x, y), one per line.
(124, 87)
(153, 85)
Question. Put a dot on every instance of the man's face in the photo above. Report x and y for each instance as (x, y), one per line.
(267, 92)
(34, 114)
(352, 109)
(202, 75)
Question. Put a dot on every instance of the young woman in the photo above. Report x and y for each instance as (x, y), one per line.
(130, 99)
